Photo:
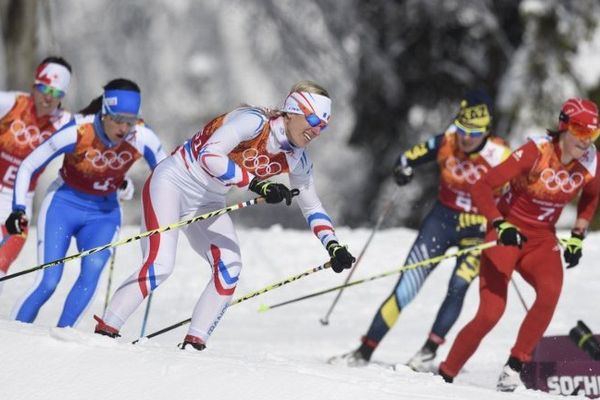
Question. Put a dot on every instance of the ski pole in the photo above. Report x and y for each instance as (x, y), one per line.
(176, 225)
(387, 208)
(247, 296)
(146, 313)
(111, 268)
(433, 260)
(562, 242)
(519, 294)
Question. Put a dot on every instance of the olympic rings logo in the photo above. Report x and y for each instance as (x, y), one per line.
(466, 170)
(28, 135)
(561, 180)
(260, 164)
(108, 158)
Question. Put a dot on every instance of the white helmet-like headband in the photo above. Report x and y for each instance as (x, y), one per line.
(315, 103)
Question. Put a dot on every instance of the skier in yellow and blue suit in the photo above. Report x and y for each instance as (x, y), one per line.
(464, 152)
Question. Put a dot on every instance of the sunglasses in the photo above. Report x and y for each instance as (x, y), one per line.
(312, 118)
(124, 119)
(583, 132)
(45, 89)
(470, 132)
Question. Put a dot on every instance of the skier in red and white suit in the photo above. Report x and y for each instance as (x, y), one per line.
(545, 174)
(27, 120)
(242, 148)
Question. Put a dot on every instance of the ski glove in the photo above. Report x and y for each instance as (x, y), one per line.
(126, 190)
(341, 258)
(16, 223)
(403, 174)
(573, 249)
(272, 192)
(508, 234)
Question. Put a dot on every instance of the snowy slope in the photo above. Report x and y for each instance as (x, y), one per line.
(279, 354)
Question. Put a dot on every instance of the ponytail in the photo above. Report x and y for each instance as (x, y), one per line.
(94, 107)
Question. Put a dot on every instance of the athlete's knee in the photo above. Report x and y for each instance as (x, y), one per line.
(225, 277)
(548, 298)
(50, 279)
(407, 288)
(457, 288)
(161, 271)
(489, 314)
(94, 264)
(467, 269)
(226, 267)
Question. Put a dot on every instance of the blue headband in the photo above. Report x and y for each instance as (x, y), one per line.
(116, 101)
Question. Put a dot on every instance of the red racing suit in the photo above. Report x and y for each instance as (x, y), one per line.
(540, 187)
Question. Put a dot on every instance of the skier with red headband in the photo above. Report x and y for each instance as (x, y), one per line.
(545, 175)
(26, 120)
(243, 149)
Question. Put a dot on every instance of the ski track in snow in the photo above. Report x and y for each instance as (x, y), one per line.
(279, 354)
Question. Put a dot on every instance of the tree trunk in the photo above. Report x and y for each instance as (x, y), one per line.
(19, 29)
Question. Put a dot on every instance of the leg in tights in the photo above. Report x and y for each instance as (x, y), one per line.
(497, 264)
(466, 270)
(437, 234)
(97, 231)
(57, 223)
(542, 269)
(161, 207)
(217, 242)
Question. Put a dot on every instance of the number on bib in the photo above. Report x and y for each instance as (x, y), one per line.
(546, 213)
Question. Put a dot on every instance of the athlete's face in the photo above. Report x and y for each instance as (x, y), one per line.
(574, 147)
(45, 104)
(298, 130)
(468, 143)
(116, 130)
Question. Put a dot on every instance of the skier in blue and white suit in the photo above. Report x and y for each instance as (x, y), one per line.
(100, 146)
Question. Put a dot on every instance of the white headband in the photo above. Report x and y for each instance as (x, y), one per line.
(53, 74)
(320, 105)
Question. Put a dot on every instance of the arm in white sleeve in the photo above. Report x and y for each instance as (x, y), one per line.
(149, 146)
(61, 142)
(7, 102)
(310, 205)
(240, 125)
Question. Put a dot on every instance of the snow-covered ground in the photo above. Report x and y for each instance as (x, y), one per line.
(279, 354)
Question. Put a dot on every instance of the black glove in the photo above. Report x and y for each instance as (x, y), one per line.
(573, 249)
(341, 258)
(583, 338)
(16, 222)
(126, 190)
(272, 192)
(508, 234)
(402, 174)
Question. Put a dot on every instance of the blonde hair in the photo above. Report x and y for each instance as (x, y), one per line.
(309, 86)
(300, 86)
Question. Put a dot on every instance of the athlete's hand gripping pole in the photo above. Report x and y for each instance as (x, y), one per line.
(386, 210)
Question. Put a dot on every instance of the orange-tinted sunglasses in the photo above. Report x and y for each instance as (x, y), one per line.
(583, 132)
